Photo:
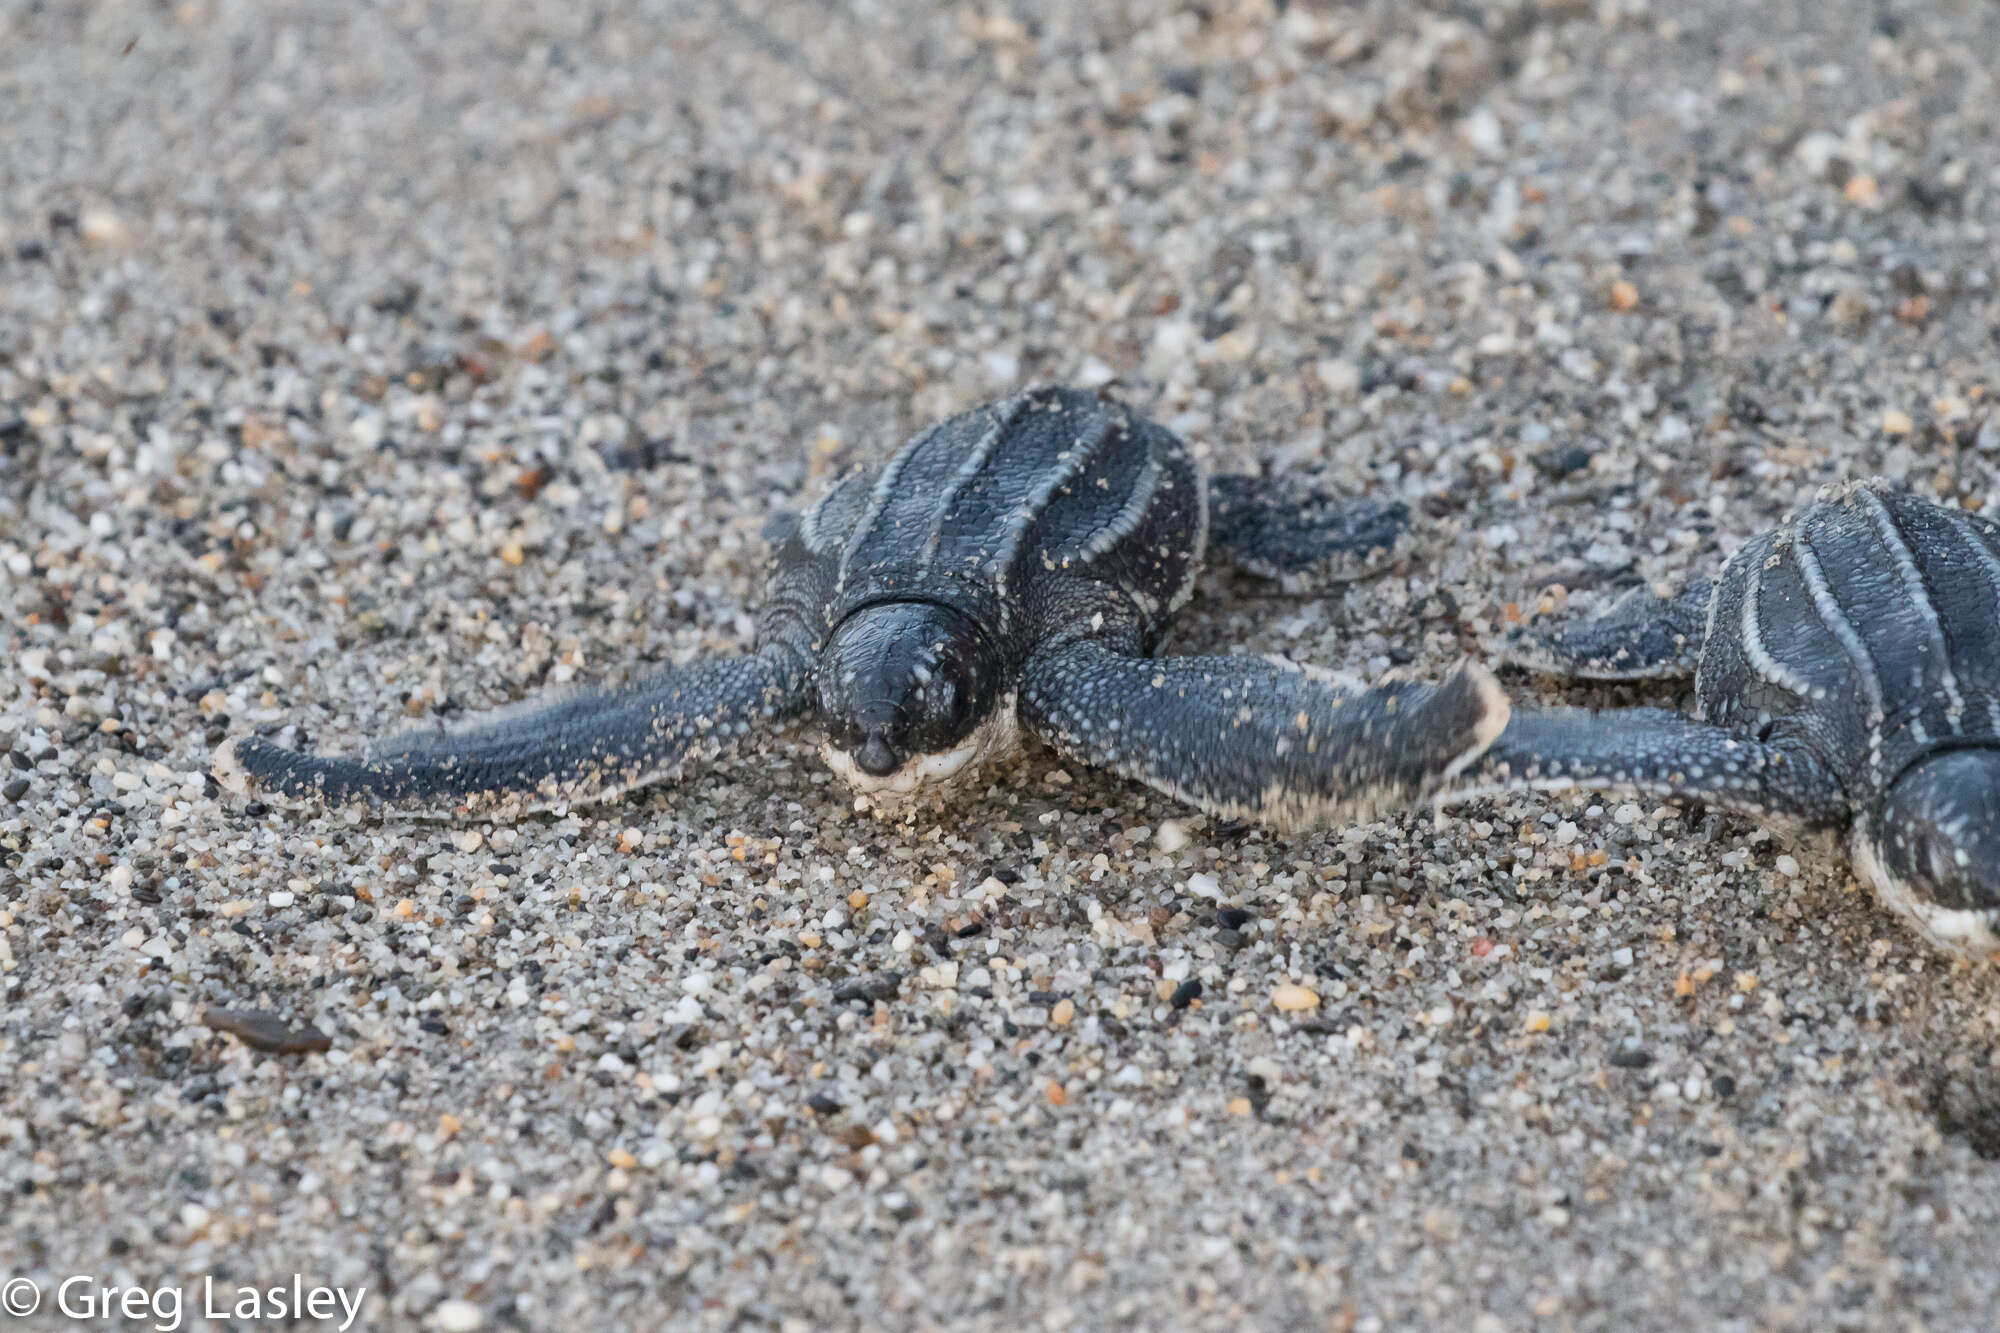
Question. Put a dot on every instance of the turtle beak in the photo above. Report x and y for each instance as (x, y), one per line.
(876, 758)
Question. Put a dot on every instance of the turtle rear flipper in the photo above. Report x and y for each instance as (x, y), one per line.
(589, 747)
(1258, 736)
(1285, 530)
(1657, 752)
(1642, 637)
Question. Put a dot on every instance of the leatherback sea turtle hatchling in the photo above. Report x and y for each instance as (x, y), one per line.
(1847, 676)
(1011, 568)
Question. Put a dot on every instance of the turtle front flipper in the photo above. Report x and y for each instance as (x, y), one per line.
(1279, 529)
(1642, 637)
(1258, 736)
(1658, 752)
(589, 747)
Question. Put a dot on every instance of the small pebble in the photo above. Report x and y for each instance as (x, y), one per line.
(266, 1032)
(457, 1316)
(1293, 998)
(1560, 461)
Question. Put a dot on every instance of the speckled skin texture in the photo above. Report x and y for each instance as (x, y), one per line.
(1847, 672)
(587, 748)
(1032, 548)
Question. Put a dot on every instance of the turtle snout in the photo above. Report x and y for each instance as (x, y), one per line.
(877, 757)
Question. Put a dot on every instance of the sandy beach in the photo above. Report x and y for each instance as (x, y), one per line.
(368, 366)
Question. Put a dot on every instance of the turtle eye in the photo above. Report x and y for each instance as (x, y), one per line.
(937, 714)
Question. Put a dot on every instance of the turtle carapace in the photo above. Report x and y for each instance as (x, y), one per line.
(1011, 569)
(1846, 677)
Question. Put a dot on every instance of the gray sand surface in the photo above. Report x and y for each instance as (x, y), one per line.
(365, 364)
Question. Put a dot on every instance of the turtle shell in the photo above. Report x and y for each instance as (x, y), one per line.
(1867, 628)
(986, 511)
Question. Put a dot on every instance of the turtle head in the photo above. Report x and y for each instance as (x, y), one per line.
(908, 691)
(1936, 856)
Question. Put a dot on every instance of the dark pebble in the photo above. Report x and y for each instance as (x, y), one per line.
(19, 759)
(1186, 993)
(884, 987)
(1631, 1058)
(1231, 918)
(822, 1104)
(1933, 199)
(266, 1032)
(1440, 605)
(968, 931)
(1559, 461)
(15, 789)
(256, 809)
(1724, 1085)
(1231, 939)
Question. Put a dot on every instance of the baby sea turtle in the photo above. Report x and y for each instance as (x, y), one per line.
(1013, 568)
(1847, 676)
